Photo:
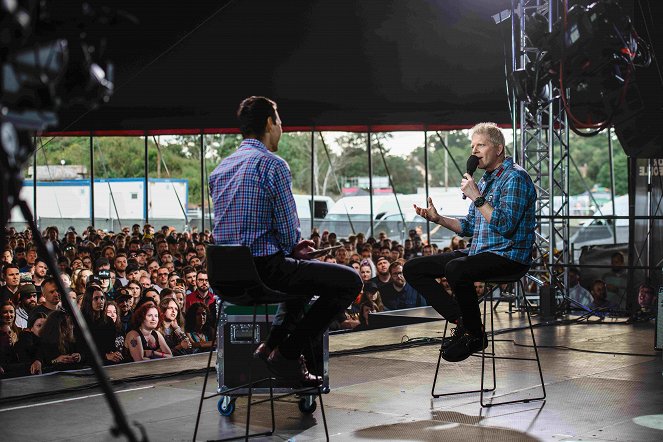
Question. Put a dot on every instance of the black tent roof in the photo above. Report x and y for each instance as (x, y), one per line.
(330, 64)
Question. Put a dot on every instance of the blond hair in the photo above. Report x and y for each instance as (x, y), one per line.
(494, 133)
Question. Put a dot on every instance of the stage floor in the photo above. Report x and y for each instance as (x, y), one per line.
(603, 381)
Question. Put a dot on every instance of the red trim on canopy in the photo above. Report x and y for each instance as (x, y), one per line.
(213, 130)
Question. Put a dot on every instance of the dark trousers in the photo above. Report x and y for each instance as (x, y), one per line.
(462, 271)
(335, 285)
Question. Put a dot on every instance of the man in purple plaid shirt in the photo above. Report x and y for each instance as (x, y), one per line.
(254, 206)
(501, 223)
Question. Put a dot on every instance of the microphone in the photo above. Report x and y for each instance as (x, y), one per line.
(472, 164)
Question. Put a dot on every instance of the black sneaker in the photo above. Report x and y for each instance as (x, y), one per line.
(464, 347)
(456, 334)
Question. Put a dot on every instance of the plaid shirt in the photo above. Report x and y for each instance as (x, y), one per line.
(510, 232)
(253, 203)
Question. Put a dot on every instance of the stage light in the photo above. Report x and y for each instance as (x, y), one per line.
(589, 56)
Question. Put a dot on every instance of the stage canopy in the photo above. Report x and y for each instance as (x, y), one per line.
(340, 64)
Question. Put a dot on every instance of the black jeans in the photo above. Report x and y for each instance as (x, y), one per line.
(335, 285)
(462, 271)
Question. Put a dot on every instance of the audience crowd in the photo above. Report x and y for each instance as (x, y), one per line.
(145, 294)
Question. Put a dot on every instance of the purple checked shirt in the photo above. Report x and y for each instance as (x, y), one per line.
(253, 203)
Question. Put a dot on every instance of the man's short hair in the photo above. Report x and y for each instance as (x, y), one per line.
(49, 280)
(252, 115)
(395, 264)
(494, 133)
(9, 266)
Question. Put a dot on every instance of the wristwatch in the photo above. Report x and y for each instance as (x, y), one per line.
(479, 201)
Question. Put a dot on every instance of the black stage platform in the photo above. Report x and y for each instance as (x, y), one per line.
(604, 382)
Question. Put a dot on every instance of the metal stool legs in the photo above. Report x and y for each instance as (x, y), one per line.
(437, 369)
(492, 355)
(527, 307)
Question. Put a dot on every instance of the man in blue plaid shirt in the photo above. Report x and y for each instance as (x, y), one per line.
(501, 223)
(254, 206)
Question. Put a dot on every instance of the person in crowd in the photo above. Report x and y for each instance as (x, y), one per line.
(152, 267)
(84, 276)
(600, 296)
(66, 279)
(395, 253)
(189, 278)
(383, 277)
(105, 277)
(480, 288)
(175, 337)
(87, 262)
(330, 259)
(7, 257)
(27, 303)
(197, 327)
(427, 250)
(8, 338)
(355, 265)
(113, 312)
(51, 296)
(133, 273)
(578, 293)
(202, 292)
(616, 281)
(39, 273)
(365, 309)
(162, 279)
(152, 294)
(108, 252)
(144, 341)
(146, 283)
(57, 349)
(120, 268)
(102, 328)
(398, 294)
(372, 295)
(455, 242)
(76, 264)
(342, 256)
(366, 271)
(12, 277)
(125, 301)
(174, 279)
(646, 303)
(30, 258)
(253, 204)
(501, 220)
(408, 251)
(366, 252)
(28, 343)
(446, 288)
(134, 291)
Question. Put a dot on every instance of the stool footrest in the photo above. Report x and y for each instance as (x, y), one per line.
(525, 308)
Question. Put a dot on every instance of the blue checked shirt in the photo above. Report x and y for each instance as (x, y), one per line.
(253, 203)
(510, 232)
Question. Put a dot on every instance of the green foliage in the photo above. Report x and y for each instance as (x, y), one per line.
(346, 157)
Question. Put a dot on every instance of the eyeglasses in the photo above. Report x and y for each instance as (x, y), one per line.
(162, 274)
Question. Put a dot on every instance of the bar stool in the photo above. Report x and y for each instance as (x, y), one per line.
(232, 272)
(497, 281)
